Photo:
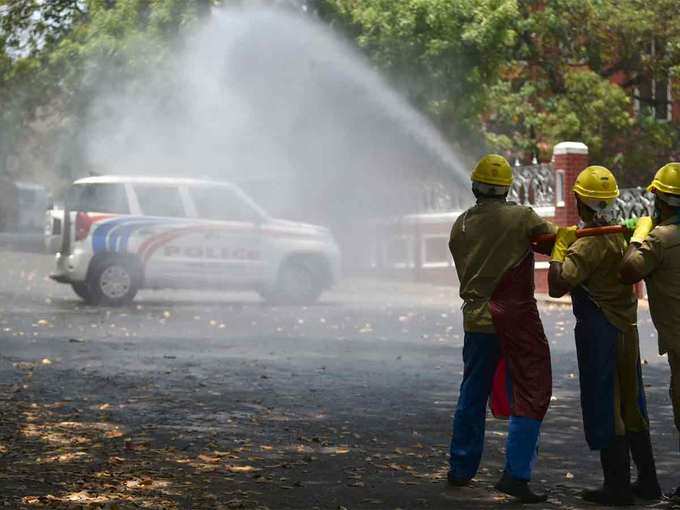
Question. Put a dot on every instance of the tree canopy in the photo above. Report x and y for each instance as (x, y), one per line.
(504, 75)
(55, 55)
(521, 76)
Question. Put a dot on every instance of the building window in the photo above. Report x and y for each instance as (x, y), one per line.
(398, 252)
(653, 96)
(435, 252)
(559, 188)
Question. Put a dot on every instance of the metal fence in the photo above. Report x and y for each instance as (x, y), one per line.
(536, 186)
(633, 203)
(533, 185)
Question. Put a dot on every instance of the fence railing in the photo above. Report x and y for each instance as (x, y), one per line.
(533, 185)
(634, 202)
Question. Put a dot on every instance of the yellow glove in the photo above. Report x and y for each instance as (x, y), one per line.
(642, 230)
(565, 238)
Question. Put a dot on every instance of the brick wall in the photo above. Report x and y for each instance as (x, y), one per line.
(569, 158)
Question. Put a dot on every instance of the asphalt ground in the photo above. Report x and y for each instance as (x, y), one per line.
(215, 400)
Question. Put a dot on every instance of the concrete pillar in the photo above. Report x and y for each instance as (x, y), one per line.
(569, 158)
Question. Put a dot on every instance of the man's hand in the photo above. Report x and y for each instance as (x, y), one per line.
(642, 229)
(566, 236)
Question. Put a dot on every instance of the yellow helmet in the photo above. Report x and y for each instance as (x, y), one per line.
(494, 170)
(667, 179)
(596, 183)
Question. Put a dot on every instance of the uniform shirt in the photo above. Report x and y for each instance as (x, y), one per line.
(593, 263)
(658, 259)
(486, 241)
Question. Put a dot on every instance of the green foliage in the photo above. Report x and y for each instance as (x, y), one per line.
(531, 119)
(438, 52)
(523, 75)
(55, 55)
(505, 75)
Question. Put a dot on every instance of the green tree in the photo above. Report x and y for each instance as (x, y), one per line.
(439, 53)
(521, 76)
(56, 55)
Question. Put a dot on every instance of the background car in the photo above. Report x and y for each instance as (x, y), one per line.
(120, 234)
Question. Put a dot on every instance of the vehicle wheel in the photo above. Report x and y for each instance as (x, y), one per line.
(297, 284)
(83, 291)
(113, 282)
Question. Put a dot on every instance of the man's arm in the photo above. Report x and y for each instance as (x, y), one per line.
(570, 263)
(640, 260)
(629, 271)
(643, 254)
(452, 243)
(538, 226)
(557, 285)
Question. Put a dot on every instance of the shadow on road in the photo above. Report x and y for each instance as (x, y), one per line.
(73, 439)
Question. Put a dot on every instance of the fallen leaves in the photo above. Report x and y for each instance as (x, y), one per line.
(334, 450)
(24, 365)
(147, 484)
(210, 459)
(66, 457)
(367, 328)
(113, 434)
(241, 469)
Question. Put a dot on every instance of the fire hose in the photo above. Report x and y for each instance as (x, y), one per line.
(548, 239)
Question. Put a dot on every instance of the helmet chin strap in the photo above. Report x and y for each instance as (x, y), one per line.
(598, 205)
(490, 190)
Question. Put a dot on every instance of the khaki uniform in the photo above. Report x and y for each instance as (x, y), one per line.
(486, 241)
(593, 263)
(506, 355)
(658, 259)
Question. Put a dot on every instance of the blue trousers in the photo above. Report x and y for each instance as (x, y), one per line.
(600, 365)
(481, 352)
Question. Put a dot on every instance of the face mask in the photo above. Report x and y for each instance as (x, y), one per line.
(676, 214)
(657, 212)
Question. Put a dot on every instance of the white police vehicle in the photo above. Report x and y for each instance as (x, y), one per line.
(119, 234)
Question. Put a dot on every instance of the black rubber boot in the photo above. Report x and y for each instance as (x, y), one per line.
(616, 490)
(519, 489)
(457, 482)
(674, 497)
(647, 485)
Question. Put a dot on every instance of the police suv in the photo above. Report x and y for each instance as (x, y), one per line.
(119, 234)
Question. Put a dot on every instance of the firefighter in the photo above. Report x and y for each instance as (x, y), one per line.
(607, 343)
(654, 254)
(490, 244)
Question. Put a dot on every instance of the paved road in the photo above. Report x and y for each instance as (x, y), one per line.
(190, 400)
